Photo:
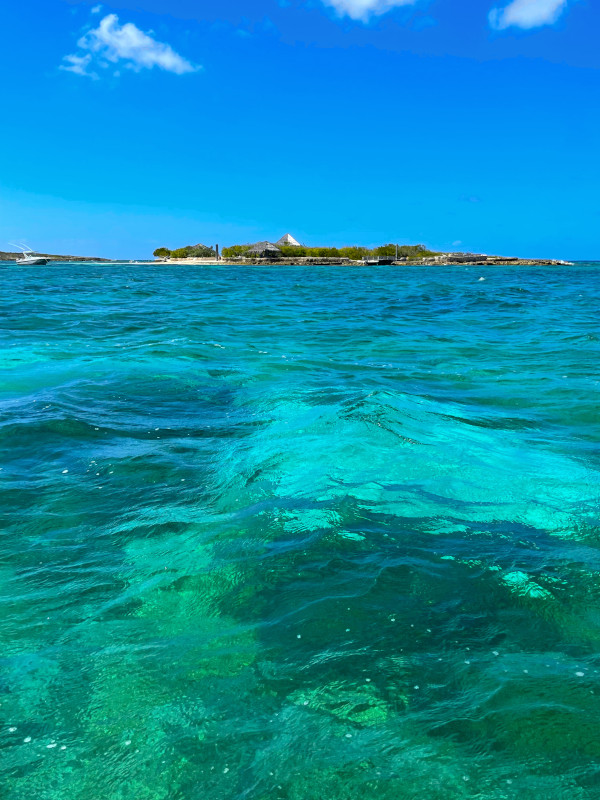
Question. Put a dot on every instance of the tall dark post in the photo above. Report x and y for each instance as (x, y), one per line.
(217, 249)
(396, 252)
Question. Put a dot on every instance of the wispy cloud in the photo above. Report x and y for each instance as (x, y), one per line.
(112, 43)
(527, 14)
(96, 9)
(78, 65)
(364, 9)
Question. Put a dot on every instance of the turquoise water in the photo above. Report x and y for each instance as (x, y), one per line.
(290, 534)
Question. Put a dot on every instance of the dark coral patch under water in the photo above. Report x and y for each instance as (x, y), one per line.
(298, 534)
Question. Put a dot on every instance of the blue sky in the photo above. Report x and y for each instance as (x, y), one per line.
(462, 124)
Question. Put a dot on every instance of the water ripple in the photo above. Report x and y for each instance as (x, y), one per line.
(292, 534)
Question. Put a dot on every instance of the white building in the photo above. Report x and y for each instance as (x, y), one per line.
(287, 241)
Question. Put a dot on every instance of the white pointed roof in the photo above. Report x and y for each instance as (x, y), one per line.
(288, 240)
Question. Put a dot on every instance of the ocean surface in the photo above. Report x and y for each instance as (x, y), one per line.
(299, 534)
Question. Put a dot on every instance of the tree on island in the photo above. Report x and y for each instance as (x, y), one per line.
(189, 251)
(194, 251)
(355, 253)
(403, 250)
(236, 250)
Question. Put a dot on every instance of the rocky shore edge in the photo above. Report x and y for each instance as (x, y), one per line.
(441, 260)
(483, 260)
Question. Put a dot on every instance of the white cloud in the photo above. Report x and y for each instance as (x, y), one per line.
(527, 13)
(78, 65)
(363, 9)
(113, 43)
(96, 9)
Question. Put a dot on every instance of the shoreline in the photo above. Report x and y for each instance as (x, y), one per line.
(435, 261)
(441, 261)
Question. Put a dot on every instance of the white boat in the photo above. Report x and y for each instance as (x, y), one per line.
(30, 258)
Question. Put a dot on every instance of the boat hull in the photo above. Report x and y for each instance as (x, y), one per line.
(32, 262)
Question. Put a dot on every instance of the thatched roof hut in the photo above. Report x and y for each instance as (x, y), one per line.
(263, 250)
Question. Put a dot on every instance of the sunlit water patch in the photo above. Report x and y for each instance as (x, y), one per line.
(288, 534)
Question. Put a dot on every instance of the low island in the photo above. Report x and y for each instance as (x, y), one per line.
(288, 251)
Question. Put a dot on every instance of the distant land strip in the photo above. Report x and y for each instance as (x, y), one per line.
(14, 256)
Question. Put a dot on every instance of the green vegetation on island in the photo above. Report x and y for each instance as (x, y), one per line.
(288, 250)
(356, 253)
(266, 249)
(189, 251)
